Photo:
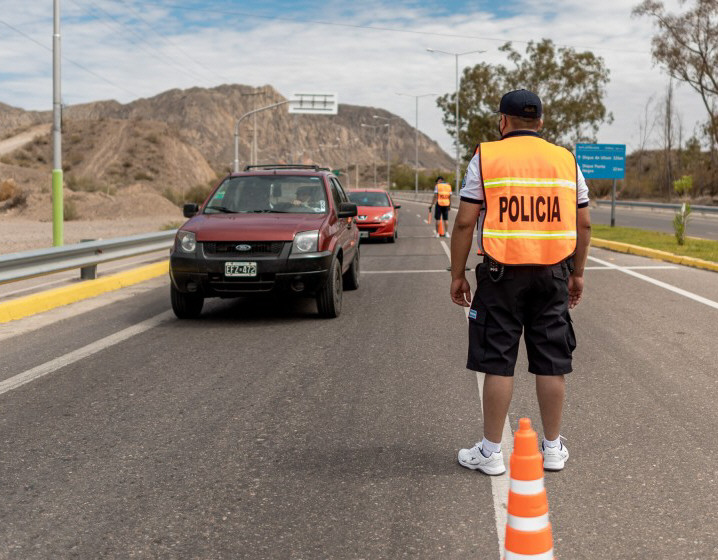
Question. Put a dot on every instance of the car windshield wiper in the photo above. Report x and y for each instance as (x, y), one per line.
(221, 209)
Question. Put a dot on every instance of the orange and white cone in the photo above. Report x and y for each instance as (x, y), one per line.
(442, 230)
(428, 221)
(528, 531)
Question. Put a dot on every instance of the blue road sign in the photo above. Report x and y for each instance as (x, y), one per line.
(602, 161)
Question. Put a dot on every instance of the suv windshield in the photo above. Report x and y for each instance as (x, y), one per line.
(369, 198)
(294, 194)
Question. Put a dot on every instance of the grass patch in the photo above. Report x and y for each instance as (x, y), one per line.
(171, 225)
(705, 249)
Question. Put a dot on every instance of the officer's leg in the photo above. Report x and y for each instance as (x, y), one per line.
(550, 391)
(497, 398)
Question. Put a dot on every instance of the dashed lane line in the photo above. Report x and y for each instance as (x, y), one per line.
(499, 484)
(76, 355)
(664, 285)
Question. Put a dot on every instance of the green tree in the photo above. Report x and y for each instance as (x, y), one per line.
(686, 46)
(571, 85)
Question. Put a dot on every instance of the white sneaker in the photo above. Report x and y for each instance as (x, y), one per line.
(554, 458)
(448, 234)
(474, 459)
(436, 234)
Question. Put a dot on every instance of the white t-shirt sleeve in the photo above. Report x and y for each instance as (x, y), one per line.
(472, 189)
(581, 188)
(436, 190)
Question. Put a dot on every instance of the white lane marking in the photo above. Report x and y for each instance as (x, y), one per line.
(401, 271)
(71, 357)
(418, 215)
(644, 267)
(669, 287)
(499, 484)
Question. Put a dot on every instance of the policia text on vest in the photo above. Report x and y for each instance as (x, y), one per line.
(540, 208)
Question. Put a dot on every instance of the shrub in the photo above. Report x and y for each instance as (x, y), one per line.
(143, 176)
(684, 185)
(83, 184)
(70, 211)
(8, 189)
(680, 222)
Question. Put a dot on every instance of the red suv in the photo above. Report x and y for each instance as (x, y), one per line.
(278, 228)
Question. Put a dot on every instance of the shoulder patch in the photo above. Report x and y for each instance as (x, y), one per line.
(472, 314)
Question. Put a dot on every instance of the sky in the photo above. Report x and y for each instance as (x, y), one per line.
(367, 52)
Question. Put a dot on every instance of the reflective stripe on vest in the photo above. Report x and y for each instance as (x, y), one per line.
(444, 194)
(530, 196)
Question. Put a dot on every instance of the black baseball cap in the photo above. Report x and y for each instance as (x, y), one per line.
(521, 103)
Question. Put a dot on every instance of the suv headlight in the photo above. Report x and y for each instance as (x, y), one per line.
(186, 241)
(306, 241)
(388, 216)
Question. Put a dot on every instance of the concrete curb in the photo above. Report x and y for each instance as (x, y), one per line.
(653, 253)
(50, 299)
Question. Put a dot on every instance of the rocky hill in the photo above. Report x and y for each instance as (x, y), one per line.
(181, 140)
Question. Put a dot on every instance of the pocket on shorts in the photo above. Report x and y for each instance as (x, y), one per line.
(560, 271)
(570, 333)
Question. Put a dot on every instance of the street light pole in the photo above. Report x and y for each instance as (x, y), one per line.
(458, 121)
(388, 156)
(416, 137)
(57, 203)
(236, 129)
(374, 127)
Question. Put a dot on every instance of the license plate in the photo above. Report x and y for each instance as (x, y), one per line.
(363, 234)
(239, 269)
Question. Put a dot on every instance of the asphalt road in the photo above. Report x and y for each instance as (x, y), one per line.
(700, 225)
(260, 431)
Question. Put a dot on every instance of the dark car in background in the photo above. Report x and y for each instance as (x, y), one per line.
(377, 215)
(275, 228)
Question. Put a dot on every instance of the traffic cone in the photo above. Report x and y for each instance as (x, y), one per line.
(442, 230)
(528, 532)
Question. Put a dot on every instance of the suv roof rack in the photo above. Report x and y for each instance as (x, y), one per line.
(285, 166)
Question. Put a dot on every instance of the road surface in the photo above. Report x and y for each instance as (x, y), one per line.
(260, 431)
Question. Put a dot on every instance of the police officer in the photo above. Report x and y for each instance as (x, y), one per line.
(441, 203)
(531, 202)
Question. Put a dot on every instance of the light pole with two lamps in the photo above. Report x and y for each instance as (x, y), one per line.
(388, 139)
(458, 122)
(374, 126)
(416, 137)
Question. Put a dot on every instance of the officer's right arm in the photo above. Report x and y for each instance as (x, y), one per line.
(462, 238)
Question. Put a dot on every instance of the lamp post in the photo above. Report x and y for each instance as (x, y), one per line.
(388, 139)
(373, 126)
(236, 129)
(416, 137)
(57, 203)
(458, 122)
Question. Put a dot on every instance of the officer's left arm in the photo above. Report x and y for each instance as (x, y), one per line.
(575, 281)
(462, 238)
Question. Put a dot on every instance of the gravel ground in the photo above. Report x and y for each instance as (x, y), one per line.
(22, 235)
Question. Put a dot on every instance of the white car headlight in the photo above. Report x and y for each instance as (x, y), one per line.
(306, 241)
(385, 217)
(186, 241)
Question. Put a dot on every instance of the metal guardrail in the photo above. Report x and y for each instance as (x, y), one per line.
(425, 196)
(86, 256)
(658, 206)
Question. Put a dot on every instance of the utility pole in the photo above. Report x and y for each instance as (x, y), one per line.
(416, 138)
(388, 157)
(57, 203)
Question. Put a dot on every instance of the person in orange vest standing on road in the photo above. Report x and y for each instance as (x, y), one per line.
(531, 202)
(441, 203)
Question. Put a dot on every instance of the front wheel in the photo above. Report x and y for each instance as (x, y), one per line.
(329, 298)
(351, 277)
(186, 306)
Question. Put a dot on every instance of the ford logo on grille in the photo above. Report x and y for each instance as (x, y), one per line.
(243, 247)
(362, 218)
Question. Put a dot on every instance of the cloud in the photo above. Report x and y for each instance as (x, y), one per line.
(143, 49)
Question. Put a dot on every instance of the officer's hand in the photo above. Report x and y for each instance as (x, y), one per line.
(575, 290)
(461, 292)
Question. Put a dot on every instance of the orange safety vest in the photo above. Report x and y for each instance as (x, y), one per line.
(530, 196)
(444, 194)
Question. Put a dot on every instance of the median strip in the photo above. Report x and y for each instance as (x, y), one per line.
(50, 299)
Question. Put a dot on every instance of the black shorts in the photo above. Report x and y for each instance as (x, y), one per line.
(532, 299)
(441, 212)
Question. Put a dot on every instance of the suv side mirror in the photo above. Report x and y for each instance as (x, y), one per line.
(190, 209)
(397, 206)
(347, 210)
